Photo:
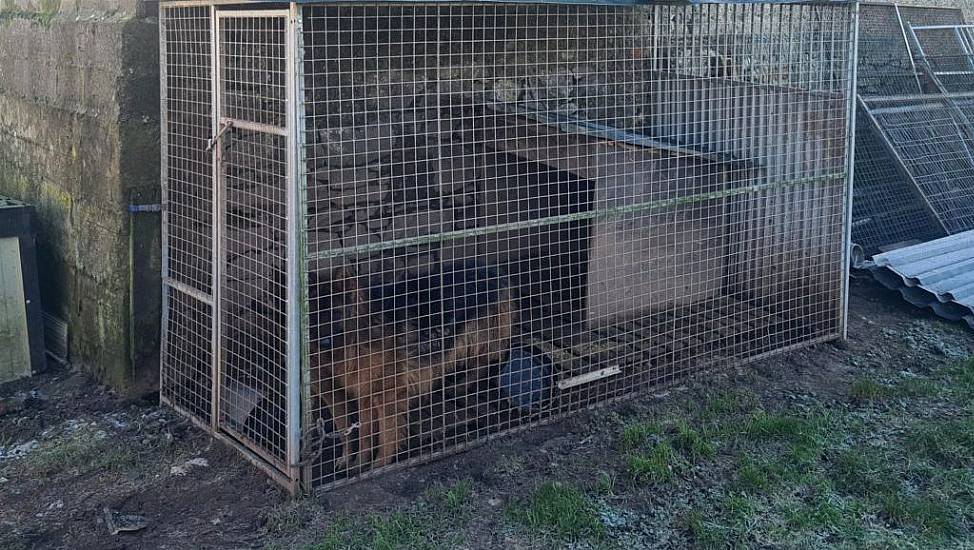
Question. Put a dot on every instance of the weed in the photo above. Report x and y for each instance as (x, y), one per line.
(560, 509)
(867, 389)
(287, 517)
(453, 500)
(693, 444)
(862, 471)
(948, 442)
(913, 388)
(754, 476)
(637, 434)
(508, 466)
(605, 483)
(933, 517)
(704, 533)
(657, 466)
(80, 454)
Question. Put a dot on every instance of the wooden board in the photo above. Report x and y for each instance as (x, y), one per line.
(14, 342)
(647, 260)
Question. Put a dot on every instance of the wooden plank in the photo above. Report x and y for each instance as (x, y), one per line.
(14, 342)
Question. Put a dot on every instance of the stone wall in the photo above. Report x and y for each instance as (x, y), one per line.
(79, 139)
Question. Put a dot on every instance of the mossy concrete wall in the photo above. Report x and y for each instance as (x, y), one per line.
(79, 105)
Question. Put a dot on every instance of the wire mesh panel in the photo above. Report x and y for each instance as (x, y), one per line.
(253, 185)
(947, 53)
(887, 208)
(932, 138)
(517, 211)
(886, 56)
(186, 377)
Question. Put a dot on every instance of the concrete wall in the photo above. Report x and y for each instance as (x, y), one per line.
(79, 139)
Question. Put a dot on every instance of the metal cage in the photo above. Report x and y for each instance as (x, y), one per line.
(393, 231)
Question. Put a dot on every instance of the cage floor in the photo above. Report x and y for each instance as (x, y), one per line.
(628, 357)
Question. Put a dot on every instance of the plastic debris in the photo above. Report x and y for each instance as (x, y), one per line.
(118, 522)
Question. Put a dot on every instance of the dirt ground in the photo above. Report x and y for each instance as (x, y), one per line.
(74, 459)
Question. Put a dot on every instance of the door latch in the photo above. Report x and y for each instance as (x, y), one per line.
(211, 143)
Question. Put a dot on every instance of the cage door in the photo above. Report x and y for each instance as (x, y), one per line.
(253, 168)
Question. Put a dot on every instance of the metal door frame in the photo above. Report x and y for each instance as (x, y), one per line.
(290, 475)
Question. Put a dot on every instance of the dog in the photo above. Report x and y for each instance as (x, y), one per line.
(356, 358)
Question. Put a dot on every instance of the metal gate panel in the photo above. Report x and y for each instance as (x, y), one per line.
(253, 173)
(946, 52)
(515, 212)
(187, 179)
(930, 136)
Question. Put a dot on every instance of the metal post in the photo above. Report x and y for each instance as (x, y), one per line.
(853, 59)
(295, 257)
(218, 219)
(164, 181)
(909, 49)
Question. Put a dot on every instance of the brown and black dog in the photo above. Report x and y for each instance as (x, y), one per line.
(356, 360)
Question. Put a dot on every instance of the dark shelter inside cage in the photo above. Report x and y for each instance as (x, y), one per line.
(393, 231)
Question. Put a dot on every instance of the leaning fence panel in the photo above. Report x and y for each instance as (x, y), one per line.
(889, 209)
(932, 138)
(516, 211)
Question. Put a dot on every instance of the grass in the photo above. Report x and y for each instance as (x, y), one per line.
(636, 434)
(693, 443)
(561, 510)
(861, 471)
(730, 403)
(867, 389)
(656, 453)
(734, 471)
(287, 517)
(915, 388)
(435, 522)
(765, 426)
(962, 377)
(948, 443)
(755, 475)
(703, 532)
(379, 532)
(79, 454)
(933, 518)
(799, 476)
(606, 483)
(658, 465)
(452, 500)
(508, 466)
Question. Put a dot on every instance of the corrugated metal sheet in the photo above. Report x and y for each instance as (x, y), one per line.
(588, 2)
(938, 274)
